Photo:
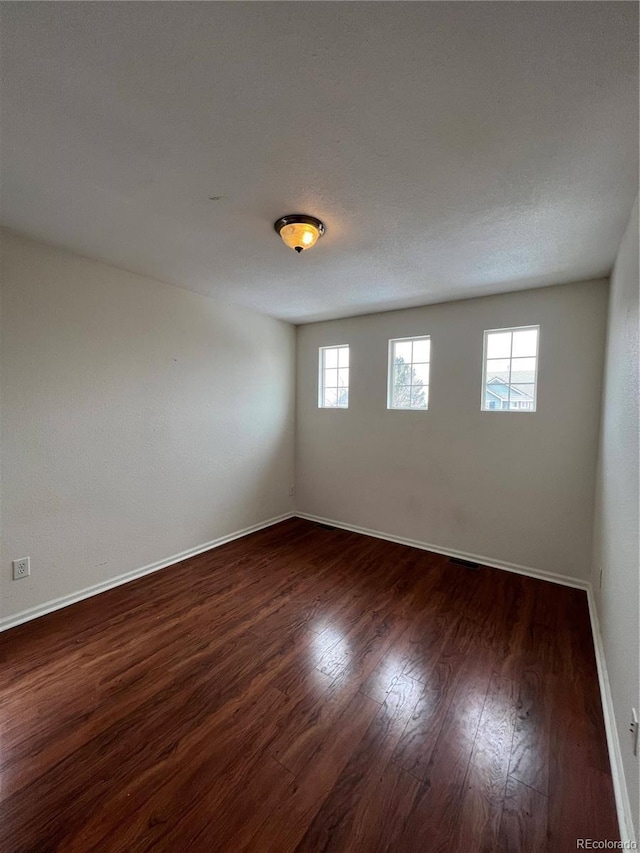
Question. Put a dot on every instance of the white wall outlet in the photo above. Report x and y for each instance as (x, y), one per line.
(633, 728)
(21, 568)
(292, 490)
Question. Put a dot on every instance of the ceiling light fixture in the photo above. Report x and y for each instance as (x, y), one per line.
(299, 231)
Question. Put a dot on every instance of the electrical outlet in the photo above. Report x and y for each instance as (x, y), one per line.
(292, 490)
(21, 568)
(633, 728)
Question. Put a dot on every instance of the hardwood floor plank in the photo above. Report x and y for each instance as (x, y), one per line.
(165, 799)
(576, 753)
(458, 678)
(367, 800)
(434, 821)
(177, 717)
(390, 667)
(299, 744)
(375, 821)
(356, 643)
(485, 784)
(530, 752)
(306, 688)
(287, 824)
(244, 811)
(523, 826)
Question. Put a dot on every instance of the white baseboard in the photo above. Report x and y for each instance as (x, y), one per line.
(623, 804)
(565, 580)
(65, 600)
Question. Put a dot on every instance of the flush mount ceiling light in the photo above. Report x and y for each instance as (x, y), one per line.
(299, 231)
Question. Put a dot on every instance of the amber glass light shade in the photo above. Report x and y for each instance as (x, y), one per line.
(299, 232)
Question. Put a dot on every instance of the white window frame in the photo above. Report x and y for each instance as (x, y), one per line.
(390, 366)
(321, 369)
(511, 329)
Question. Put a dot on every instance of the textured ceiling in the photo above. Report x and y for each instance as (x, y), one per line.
(452, 149)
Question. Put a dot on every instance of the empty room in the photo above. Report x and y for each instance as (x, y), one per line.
(320, 385)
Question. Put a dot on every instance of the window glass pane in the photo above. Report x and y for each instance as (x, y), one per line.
(523, 369)
(510, 383)
(331, 358)
(330, 378)
(497, 367)
(401, 374)
(497, 391)
(402, 349)
(402, 396)
(343, 357)
(493, 397)
(409, 373)
(420, 374)
(499, 345)
(525, 343)
(421, 350)
(330, 397)
(418, 398)
(525, 392)
(334, 377)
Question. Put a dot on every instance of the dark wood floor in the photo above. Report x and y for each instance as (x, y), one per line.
(312, 690)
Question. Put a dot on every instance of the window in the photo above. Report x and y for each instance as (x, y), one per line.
(408, 384)
(510, 370)
(333, 387)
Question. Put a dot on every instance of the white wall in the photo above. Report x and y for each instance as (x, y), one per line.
(616, 540)
(138, 420)
(511, 487)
